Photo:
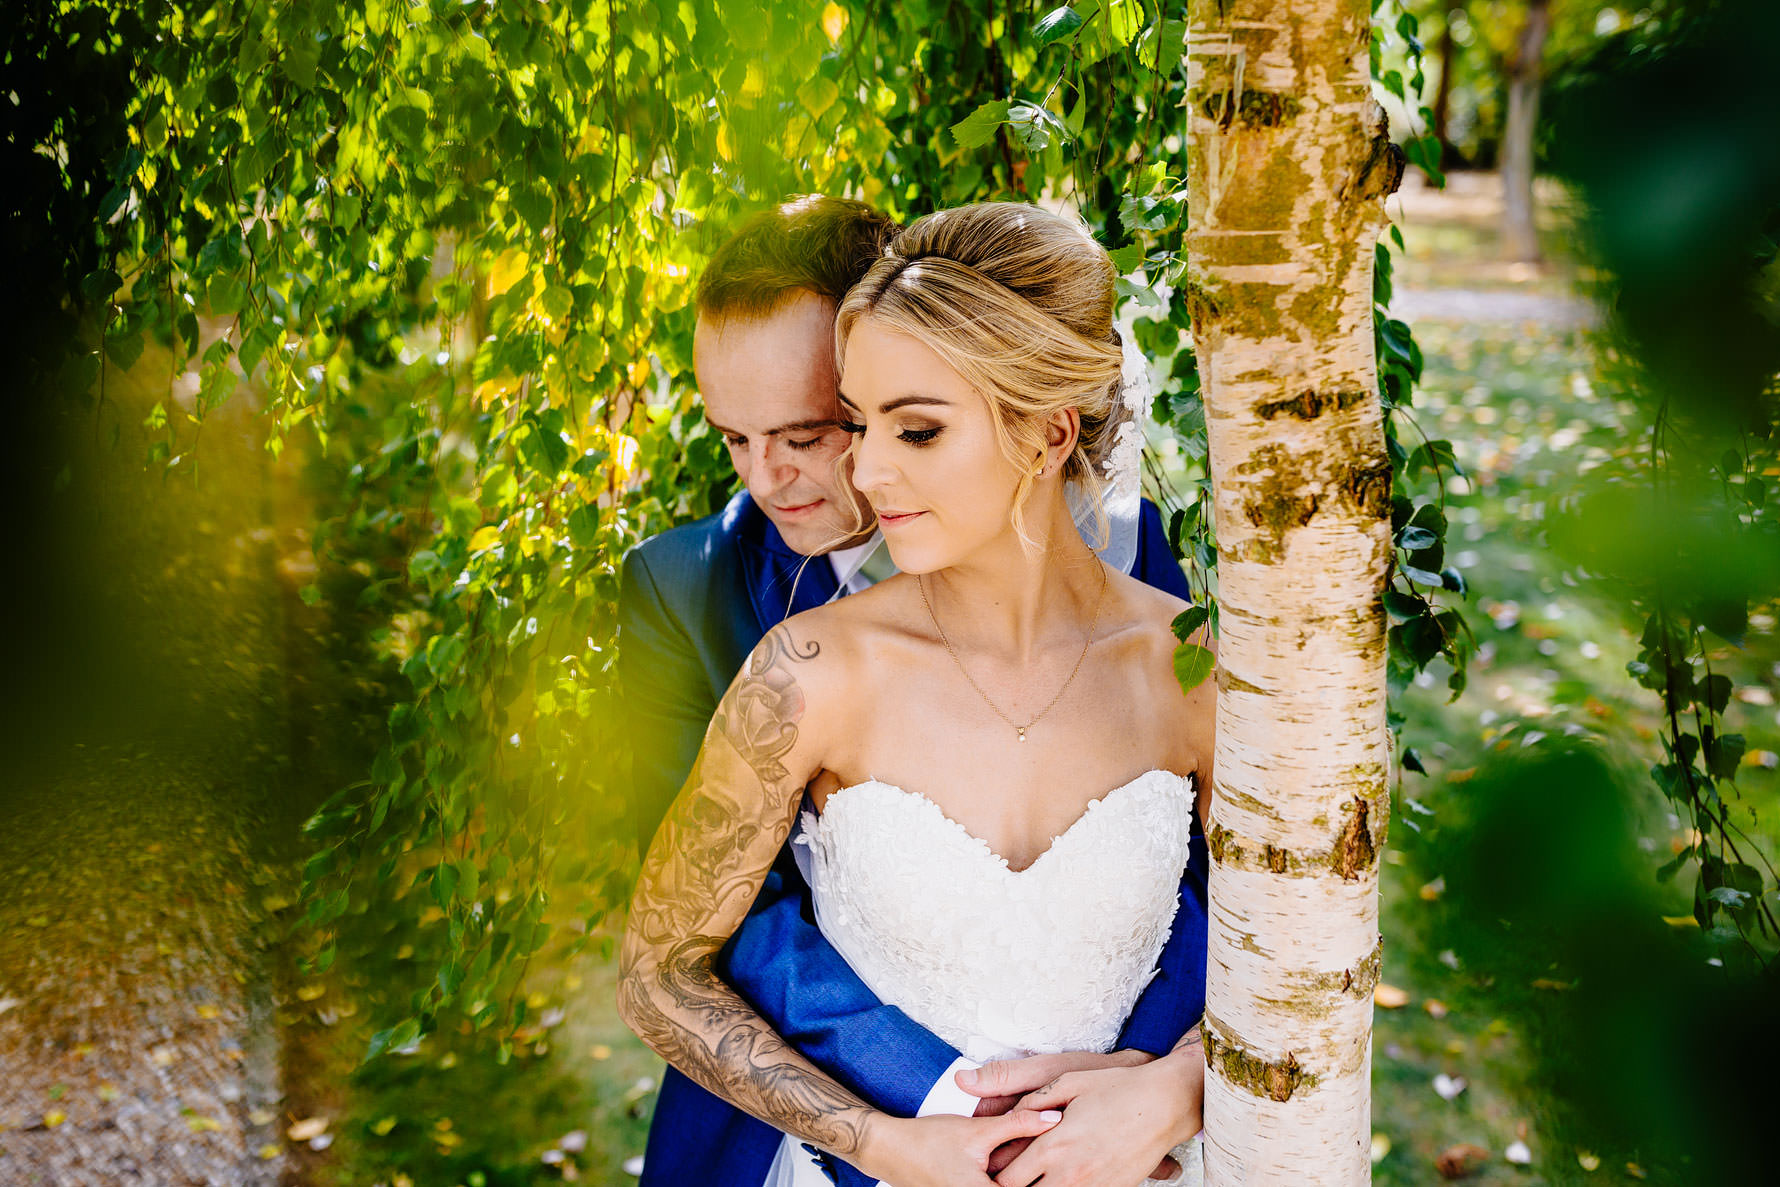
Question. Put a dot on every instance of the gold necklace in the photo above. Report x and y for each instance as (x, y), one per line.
(921, 584)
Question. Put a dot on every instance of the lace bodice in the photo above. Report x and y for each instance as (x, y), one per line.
(996, 961)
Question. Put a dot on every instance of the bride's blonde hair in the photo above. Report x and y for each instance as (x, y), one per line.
(1019, 301)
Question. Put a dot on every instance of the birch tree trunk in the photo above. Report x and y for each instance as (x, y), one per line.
(1288, 168)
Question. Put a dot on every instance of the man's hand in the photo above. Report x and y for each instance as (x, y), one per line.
(1004, 1083)
(944, 1151)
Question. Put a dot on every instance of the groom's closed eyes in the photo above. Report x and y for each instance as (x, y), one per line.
(799, 434)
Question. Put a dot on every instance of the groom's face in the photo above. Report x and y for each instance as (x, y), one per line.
(768, 384)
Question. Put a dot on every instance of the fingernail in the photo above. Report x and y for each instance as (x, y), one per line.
(968, 1077)
(1050, 1115)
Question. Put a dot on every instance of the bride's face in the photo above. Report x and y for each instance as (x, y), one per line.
(924, 452)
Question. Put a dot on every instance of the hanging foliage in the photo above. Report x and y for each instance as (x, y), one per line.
(457, 243)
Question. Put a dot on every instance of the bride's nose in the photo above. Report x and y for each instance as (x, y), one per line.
(871, 468)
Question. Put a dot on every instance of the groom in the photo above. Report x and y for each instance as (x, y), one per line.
(696, 599)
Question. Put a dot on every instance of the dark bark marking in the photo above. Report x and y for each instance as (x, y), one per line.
(1274, 1079)
(1308, 405)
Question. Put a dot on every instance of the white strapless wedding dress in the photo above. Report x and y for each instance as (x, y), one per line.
(999, 962)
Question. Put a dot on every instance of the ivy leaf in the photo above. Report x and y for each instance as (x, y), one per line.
(1422, 576)
(1056, 25)
(978, 128)
(1412, 761)
(1192, 664)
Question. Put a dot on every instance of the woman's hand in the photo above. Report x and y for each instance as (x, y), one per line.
(1118, 1123)
(944, 1151)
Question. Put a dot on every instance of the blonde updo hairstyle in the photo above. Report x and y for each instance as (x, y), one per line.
(1018, 301)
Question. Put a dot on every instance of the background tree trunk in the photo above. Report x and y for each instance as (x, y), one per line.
(1520, 233)
(1289, 166)
(1446, 53)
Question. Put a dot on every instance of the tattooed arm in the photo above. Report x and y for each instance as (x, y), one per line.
(704, 869)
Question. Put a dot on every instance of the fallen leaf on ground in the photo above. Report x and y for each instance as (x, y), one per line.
(1381, 1146)
(1449, 1087)
(1588, 1161)
(1518, 1153)
(1389, 997)
(1461, 1161)
(309, 1127)
(1433, 890)
(1435, 1007)
(54, 1118)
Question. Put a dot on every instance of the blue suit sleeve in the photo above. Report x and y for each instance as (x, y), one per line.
(779, 960)
(1173, 1002)
(1155, 564)
(666, 700)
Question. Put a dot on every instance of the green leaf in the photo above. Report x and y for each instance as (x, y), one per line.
(1056, 25)
(1124, 19)
(1127, 259)
(444, 885)
(1188, 621)
(1416, 538)
(1162, 45)
(1402, 607)
(818, 95)
(978, 128)
(1412, 761)
(1192, 664)
(301, 55)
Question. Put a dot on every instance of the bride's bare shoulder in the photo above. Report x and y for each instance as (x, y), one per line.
(1153, 611)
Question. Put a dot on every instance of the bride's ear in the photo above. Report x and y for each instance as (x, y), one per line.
(1062, 430)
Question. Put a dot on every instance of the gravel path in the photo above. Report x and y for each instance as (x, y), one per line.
(137, 1043)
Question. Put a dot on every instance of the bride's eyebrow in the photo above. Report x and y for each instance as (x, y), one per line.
(915, 398)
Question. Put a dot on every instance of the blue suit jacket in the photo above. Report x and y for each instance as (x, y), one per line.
(694, 602)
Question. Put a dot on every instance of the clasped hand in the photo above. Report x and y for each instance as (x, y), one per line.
(1122, 1113)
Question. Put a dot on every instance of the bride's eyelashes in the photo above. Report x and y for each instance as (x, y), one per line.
(910, 436)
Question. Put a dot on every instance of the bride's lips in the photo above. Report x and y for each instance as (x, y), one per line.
(895, 519)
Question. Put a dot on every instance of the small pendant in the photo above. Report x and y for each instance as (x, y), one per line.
(1022, 733)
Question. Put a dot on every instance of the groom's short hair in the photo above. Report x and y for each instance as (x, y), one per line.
(810, 243)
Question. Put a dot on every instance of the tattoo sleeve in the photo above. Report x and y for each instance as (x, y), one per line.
(703, 871)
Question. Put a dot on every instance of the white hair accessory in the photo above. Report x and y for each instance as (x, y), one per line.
(1122, 471)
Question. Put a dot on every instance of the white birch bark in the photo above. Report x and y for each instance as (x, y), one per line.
(1288, 168)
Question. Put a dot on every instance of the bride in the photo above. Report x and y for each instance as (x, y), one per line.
(995, 765)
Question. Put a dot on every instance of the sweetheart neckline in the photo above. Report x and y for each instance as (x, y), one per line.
(1087, 811)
